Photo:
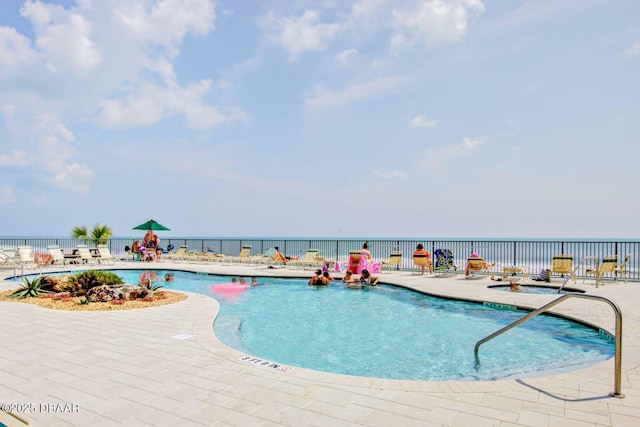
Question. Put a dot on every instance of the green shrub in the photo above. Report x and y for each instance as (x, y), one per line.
(32, 288)
(91, 278)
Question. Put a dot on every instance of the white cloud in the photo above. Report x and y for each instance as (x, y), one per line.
(17, 158)
(167, 22)
(302, 34)
(154, 103)
(346, 55)
(74, 177)
(420, 121)
(356, 92)
(434, 157)
(433, 22)
(15, 49)
(7, 195)
(64, 39)
(390, 174)
(634, 50)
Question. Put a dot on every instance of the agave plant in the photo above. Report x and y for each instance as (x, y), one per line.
(32, 288)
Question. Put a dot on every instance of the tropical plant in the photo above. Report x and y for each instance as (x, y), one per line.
(99, 234)
(32, 288)
(86, 280)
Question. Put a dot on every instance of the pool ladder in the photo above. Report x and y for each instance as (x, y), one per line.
(617, 392)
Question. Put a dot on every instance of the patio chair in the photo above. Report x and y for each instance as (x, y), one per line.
(423, 261)
(310, 259)
(85, 254)
(8, 258)
(563, 264)
(622, 269)
(177, 255)
(609, 265)
(56, 252)
(27, 256)
(243, 256)
(395, 260)
(476, 263)
(105, 254)
(444, 262)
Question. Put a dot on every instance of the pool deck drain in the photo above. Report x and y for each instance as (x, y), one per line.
(163, 366)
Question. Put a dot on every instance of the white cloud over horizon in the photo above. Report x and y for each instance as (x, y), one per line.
(199, 109)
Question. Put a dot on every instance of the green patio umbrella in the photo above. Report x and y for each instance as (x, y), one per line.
(151, 225)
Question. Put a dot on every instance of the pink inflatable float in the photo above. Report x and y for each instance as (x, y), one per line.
(228, 288)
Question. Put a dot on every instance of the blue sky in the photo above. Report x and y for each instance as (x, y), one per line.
(335, 118)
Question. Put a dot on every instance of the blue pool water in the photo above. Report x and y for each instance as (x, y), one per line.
(389, 332)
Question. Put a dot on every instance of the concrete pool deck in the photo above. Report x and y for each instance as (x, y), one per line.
(163, 366)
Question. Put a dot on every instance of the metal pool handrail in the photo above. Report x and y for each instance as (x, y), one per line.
(572, 274)
(617, 392)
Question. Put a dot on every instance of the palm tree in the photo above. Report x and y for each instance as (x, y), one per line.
(80, 232)
(99, 233)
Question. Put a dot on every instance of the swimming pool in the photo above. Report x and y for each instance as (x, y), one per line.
(389, 332)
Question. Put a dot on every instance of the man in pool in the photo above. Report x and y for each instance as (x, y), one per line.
(368, 279)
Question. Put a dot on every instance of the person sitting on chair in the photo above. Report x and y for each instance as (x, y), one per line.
(420, 250)
(475, 256)
(282, 256)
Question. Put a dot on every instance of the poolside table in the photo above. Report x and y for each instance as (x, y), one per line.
(514, 271)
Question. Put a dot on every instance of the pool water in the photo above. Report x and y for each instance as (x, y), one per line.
(389, 332)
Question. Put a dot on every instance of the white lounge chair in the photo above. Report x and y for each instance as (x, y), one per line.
(105, 255)
(56, 252)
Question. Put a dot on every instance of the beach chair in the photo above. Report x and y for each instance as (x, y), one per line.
(622, 269)
(9, 258)
(243, 256)
(56, 252)
(354, 261)
(177, 255)
(476, 264)
(27, 256)
(85, 254)
(444, 262)
(422, 261)
(609, 265)
(395, 260)
(105, 255)
(310, 259)
(563, 264)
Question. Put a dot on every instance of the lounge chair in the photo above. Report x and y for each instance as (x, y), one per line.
(180, 254)
(105, 255)
(85, 254)
(444, 262)
(423, 261)
(9, 259)
(243, 256)
(622, 269)
(57, 254)
(563, 264)
(310, 259)
(395, 260)
(476, 263)
(609, 265)
(26, 255)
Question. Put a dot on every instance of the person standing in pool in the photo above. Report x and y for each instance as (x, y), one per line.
(317, 279)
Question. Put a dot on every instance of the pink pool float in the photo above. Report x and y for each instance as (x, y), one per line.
(228, 288)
